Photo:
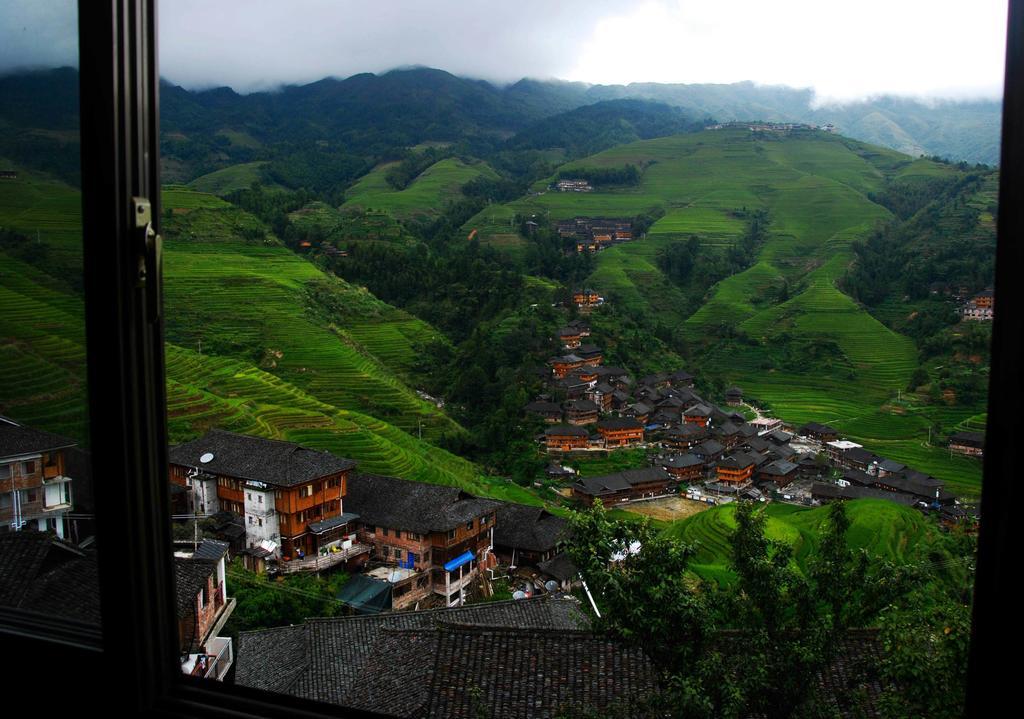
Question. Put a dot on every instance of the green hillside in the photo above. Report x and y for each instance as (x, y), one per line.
(229, 179)
(424, 198)
(298, 364)
(812, 355)
(885, 530)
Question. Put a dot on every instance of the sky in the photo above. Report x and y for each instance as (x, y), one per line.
(844, 50)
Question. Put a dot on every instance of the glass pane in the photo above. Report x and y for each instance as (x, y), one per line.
(698, 323)
(46, 499)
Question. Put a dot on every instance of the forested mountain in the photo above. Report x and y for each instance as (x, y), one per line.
(332, 131)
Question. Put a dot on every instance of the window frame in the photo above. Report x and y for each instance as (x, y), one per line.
(120, 156)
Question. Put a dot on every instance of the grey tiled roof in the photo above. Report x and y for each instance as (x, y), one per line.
(620, 481)
(324, 659)
(560, 567)
(524, 527)
(40, 573)
(509, 673)
(270, 461)
(190, 577)
(414, 506)
(17, 440)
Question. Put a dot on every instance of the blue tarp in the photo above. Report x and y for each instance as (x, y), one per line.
(459, 561)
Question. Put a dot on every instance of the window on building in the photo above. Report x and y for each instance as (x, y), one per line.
(384, 531)
(451, 534)
(5, 471)
(469, 526)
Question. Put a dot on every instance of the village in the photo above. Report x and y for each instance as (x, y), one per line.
(705, 451)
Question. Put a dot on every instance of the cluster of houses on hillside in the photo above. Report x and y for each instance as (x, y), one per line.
(980, 307)
(592, 234)
(711, 450)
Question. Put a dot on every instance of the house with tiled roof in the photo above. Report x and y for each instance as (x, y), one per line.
(290, 497)
(622, 432)
(203, 607)
(525, 534)
(549, 411)
(35, 489)
(432, 539)
(622, 486)
(329, 660)
(565, 438)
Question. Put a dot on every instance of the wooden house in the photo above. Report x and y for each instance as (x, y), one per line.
(561, 366)
(820, 432)
(622, 486)
(698, 414)
(291, 498)
(734, 396)
(684, 468)
(779, 472)
(621, 432)
(735, 469)
(581, 411)
(525, 534)
(35, 489)
(565, 438)
(971, 444)
(432, 540)
(549, 411)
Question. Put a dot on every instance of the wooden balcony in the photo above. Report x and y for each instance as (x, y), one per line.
(322, 561)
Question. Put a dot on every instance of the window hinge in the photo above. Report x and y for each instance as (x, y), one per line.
(150, 257)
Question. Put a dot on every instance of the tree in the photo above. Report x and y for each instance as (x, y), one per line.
(752, 647)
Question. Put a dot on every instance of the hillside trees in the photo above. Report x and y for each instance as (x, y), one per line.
(748, 648)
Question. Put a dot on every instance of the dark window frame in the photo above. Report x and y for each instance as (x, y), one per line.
(128, 423)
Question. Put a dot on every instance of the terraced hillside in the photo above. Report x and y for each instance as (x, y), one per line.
(817, 355)
(232, 287)
(299, 395)
(424, 198)
(885, 530)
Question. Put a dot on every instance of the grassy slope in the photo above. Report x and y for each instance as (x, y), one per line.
(215, 280)
(814, 187)
(885, 530)
(228, 179)
(424, 198)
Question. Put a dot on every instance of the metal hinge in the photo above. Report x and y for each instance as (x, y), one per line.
(150, 254)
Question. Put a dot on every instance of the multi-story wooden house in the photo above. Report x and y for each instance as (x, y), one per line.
(35, 492)
(290, 497)
(684, 468)
(440, 536)
(591, 355)
(569, 337)
(621, 432)
(685, 437)
(736, 468)
(563, 365)
(587, 298)
(581, 411)
(565, 438)
(698, 414)
(549, 411)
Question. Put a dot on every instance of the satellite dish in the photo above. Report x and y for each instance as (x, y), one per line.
(519, 594)
(551, 585)
(208, 457)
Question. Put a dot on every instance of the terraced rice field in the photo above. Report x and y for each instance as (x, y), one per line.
(424, 198)
(815, 189)
(42, 357)
(256, 299)
(885, 530)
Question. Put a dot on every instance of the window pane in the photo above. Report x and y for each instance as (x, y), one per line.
(500, 317)
(46, 514)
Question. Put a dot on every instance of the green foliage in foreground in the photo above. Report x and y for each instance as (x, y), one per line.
(263, 602)
(753, 647)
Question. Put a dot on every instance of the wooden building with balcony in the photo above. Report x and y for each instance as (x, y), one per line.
(621, 432)
(290, 497)
(736, 468)
(435, 539)
(622, 486)
(35, 491)
(565, 438)
(563, 365)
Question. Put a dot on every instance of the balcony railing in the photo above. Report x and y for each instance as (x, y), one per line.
(322, 561)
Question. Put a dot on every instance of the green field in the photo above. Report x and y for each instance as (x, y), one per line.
(885, 530)
(341, 349)
(818, 356)
(424, 198)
